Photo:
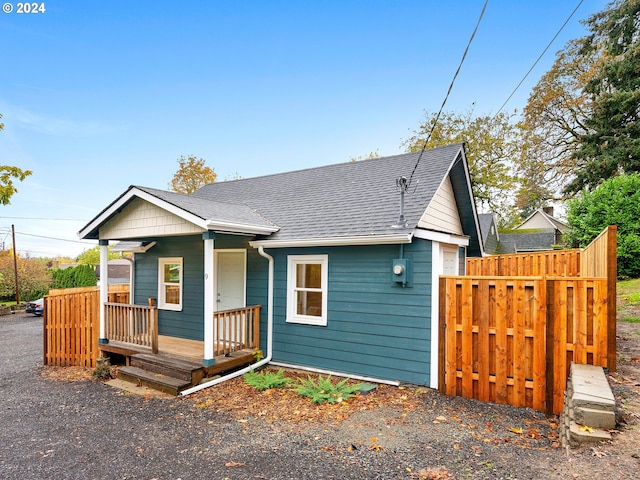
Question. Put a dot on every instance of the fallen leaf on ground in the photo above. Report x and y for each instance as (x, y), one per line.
(234, 464)
(519, 431)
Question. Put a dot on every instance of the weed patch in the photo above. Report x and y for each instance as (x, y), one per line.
(323, 390)
(266, 380)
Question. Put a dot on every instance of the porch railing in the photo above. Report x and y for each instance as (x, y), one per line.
(236, 329)
(137, 324)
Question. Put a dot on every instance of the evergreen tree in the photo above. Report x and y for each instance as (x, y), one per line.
(611, 144)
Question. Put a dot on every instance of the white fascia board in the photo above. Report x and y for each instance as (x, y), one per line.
(335, 241)
(441, 237)
(239, 228)
(136, 192)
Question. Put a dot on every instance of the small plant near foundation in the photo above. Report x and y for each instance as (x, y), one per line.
(266, 380)
(103, 369)
(323, 390)
(257, 354)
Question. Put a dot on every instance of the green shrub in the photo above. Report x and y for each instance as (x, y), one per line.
(323, 390)
(614, 202)
(72, 277)
(103, 369)
(266, 380)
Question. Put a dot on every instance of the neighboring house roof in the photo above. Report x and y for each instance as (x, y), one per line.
(540, 219)
(527, 242)
(486, 220)
(348, 200)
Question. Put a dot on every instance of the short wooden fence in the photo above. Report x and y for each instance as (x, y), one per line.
(72, 325)
(136, 324)
(236, 329)
(511, 340)
(509, 331)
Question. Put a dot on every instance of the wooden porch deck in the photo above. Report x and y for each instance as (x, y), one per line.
(177, 365)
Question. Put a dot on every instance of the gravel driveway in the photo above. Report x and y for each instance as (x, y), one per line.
(88, 430)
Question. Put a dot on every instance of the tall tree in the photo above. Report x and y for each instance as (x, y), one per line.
(34, 279)
(371, 156)
(492, 144)
(7, 175)
(91, 256)
(611, 144)
(191, 175)
(554, 120)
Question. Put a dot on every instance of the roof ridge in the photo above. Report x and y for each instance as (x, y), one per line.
(333, 165)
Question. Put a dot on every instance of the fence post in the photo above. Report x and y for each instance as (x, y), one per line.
(550, 345)
(612, 277)
(442, 327)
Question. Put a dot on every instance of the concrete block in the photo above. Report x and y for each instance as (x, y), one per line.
(590, 388)
(587, 375)
(598, 399)
(579, 437)
(595, 418)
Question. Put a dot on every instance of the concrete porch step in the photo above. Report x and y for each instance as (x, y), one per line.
(157, 381)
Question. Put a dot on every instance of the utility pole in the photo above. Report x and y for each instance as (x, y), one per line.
(15, 263)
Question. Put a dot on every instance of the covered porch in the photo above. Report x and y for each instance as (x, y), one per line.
(172, 364)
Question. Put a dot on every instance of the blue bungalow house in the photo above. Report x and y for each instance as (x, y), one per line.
(343, 260)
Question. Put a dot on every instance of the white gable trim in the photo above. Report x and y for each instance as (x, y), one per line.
(442, 237)
(116, 206)
(203, 224)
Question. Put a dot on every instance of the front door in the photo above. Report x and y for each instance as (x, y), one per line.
(230, 278)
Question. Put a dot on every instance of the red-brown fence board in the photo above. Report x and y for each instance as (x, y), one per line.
(511, 328)
(71, 322)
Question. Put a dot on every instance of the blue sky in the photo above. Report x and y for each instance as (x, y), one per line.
(100, 95)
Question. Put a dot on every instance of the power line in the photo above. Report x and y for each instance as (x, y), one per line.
(539, 58)
(48, 218)
(433, 126)
(53, 238)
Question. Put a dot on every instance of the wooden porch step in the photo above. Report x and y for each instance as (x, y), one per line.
(157, 381)
(170, 366)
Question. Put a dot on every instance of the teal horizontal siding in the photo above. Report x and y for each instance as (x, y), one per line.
(375, 327)
(188, 323)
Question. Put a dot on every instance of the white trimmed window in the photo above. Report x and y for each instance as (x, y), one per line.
(170, 283)
(307, 280)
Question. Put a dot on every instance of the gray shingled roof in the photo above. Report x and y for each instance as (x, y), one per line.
(221, 211)
(527, 242)
(343, 200)
(485, 220)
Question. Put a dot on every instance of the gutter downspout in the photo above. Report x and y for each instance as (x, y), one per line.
(262, 362)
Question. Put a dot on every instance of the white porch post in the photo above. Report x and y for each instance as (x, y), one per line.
(209, 300)
(104, 288)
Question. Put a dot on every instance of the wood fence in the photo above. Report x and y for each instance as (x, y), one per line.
(72, 324)
(564, 263)
(511, 339)
(236, 329)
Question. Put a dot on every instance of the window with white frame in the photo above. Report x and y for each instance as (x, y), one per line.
(170, 283)
(307, 280)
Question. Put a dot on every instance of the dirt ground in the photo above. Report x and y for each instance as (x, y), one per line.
(425, 435)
